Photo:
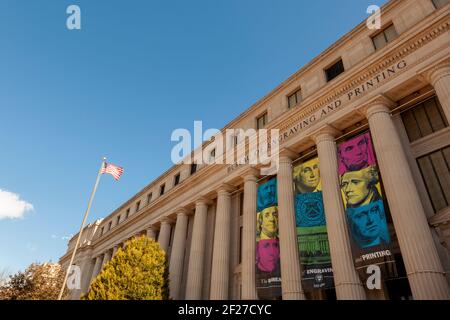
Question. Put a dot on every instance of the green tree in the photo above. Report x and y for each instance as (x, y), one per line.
(138, 272)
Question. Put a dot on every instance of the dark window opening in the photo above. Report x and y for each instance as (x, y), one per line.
(440, 3)
(435, 170)
(295, 98)
(193, 168)
(138, 205)
(149, 198)
(176, 180)
(335, 70)
(384, 37)
(261, 121)
(424, 119)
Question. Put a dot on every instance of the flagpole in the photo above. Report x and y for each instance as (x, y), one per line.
(81, 228)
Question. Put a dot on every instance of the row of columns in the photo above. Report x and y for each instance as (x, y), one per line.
(422, 263)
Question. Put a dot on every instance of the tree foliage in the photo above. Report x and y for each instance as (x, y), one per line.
(138, 272)
(37, 282)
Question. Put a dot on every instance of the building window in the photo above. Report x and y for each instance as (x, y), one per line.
(439, 3)
(109, 225)
(435, 170)
(102, 230)
(118, 220)
(236, 140)
(294, 99)
(335, 70)
(212, 155)
(261, 121)
(193, 168)
(149, 198)
(424, 119)
(176, 179)
(384, 37)
(138, 205)
(127, 214)
(161, 189)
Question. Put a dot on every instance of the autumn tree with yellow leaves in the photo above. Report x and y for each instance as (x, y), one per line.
(137, 272)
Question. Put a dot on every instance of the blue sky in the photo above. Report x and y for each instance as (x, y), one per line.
(118, 87)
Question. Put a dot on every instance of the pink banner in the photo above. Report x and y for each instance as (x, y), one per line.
(356, 154)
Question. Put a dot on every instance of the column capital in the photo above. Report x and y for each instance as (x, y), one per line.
(379, 103)
(250, 174)
(181, 211)
(225, 188)
(325, 133)
(202, 201)
(438, 71)
(286, 153)
(165, 220)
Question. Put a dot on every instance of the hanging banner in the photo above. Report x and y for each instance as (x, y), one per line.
(364, 205)
(268, 274)
(312, 235)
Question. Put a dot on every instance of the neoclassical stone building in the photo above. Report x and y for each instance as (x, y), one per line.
(392, 83)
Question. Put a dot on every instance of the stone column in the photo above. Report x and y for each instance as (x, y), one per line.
(289, 256)
(151, 233)
(347, 283)
(116, 247)
(177, 255)
(194, 283)
(86, 274)
(440, 79)
(97, 267)
(164, 235)
(221, 250)
(424, 269)
(106, 257)
(249, 236)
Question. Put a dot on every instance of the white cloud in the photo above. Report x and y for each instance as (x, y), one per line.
(53, 236)
(31, 247)
(11, 206)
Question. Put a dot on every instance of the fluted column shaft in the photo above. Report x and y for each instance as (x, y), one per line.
(424, 269)
(106, 257)
(221, 250)
(177, 255)
(116, 247)
(249, 238)
(194, 283)
(164, 236)
(347, 283)
(86, 276)
(440, 79)
(289, 256)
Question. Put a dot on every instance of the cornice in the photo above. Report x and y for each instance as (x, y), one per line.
(361, 73)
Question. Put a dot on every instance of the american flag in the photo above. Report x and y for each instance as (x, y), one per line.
(113, 170)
